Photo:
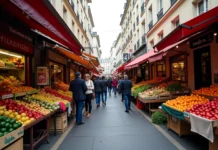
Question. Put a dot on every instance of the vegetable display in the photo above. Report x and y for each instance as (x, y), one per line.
(158, 118)
(154, 92)
(173, 87)
(140, 89)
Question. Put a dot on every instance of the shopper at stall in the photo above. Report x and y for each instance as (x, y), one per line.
(138, 79)
(125, 87)
(98, 90)
(114, 85)
(89, 95)
(109, 83)
(104, 93)
(79, 88)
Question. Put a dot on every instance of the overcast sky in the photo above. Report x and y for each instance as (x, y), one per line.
(106, 15)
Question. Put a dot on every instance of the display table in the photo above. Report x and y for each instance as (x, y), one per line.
(42, 132)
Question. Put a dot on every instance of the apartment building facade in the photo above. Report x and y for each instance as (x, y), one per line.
(77, 15)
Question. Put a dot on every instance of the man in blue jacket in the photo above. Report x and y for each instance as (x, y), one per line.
(78, 87)
(125, 87)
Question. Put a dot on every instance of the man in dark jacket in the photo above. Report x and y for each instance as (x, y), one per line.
(98, 90)
(104, 93)
(125, 87)
(78, 87)
(109, 84)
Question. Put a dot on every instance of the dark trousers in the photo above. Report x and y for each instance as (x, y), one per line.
(98, 97)
(88, 103)
(79, 108)
(109, 90)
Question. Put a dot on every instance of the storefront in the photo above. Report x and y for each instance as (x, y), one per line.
(16, 50)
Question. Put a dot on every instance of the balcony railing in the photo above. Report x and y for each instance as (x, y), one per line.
(143, 39)
(160, 14)
(150, 25)
(133, 26)
(138, 44)
(137, 20)
(72, 4)
(143, 8)
(172, 2)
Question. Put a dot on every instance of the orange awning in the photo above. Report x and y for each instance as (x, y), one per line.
(78, 59)
(93, 59)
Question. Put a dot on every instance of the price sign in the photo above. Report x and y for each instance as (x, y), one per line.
(20, 94)
(7, 96)
(42, 75)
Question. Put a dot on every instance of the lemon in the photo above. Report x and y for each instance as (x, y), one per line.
(1, 112)
(11, 115)
(6, 113)
(23, 115)
(16, 113)
(10, 111)
(18, 117)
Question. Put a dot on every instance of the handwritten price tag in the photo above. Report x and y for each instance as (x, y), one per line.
(7, 96)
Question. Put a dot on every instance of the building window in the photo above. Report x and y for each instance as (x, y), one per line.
(150, 13)
(64, 14)
(152, 43)
(160, 5)
(202, 6)
(73, 26)
(161, 35)
(175, 22)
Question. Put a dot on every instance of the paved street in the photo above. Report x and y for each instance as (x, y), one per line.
(110, 128)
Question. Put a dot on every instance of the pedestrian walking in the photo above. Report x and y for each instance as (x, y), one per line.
(98, 90)
(125, 87)
(118, 87)
(79, 88)
(89, 95)
(104, 93)
(114, 85)
(109, 83)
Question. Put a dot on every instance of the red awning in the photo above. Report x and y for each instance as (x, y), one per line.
(121, 68)
(190, 27)
(40, 15)
(139, 60)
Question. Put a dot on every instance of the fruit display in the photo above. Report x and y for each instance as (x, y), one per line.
(20, 89)
(46, 97)
(140, 89)
(8, 62)
(6, 86)
(184, 103)
(154, 92)
(157, 80)
(57, 94)
(208, 91)
(62, 86)
(8, 124)
(19, 111)
(207, 110)
(34, 106)
(66, 93)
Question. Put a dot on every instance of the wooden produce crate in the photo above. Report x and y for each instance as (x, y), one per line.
(179, 126)
(61, 122)
(11, 137)
(18, 145)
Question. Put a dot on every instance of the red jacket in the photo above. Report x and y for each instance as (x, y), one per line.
(115, 83)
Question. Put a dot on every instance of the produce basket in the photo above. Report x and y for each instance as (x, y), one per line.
(173, 112)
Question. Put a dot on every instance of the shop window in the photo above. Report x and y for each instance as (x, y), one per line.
(178, 68)
(12, 67)
(57, 73)
(161, 69)
(175, 22)
(160, 35)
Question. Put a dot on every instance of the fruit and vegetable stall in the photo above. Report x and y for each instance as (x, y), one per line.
(27, 112)
(196, 113)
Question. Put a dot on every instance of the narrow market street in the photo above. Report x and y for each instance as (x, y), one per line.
(110, 128)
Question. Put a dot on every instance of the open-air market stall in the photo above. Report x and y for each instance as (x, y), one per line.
(25, 111)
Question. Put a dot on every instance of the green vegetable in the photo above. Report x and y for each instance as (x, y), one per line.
(174, 87)
(2, 124)
(15, 126)
(1, 134)
(19, 124)
(158, 118)
(10, 130)
(141, 89)
(5, 133)
(3, 129)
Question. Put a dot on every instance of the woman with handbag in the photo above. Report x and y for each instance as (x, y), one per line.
(89, 95)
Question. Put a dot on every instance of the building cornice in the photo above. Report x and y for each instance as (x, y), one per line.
(125, 11)
(91, 18)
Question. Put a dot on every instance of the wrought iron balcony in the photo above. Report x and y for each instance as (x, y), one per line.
(172, 2)
(143, 39)
(137, 20)
(138, 43)
(160, 14)
(150, 25)
(143, 8)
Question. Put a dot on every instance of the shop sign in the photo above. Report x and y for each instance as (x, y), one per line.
(57, 58)
(16, 32)
(203, 40)
(42, 75)
(126, 57)
(15, 44)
